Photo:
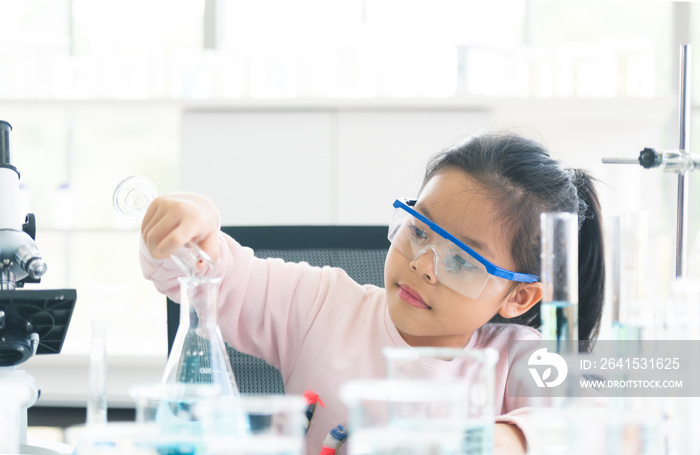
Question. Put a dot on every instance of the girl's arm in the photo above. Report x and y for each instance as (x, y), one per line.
(266, 306)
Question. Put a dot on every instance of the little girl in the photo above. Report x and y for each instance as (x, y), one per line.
(460, 272)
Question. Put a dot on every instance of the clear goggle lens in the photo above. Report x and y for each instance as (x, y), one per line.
(453, 266)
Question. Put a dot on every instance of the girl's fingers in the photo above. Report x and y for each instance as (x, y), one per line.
(158, 229)
(172, 221)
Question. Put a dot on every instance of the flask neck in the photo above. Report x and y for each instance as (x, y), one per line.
(198, 302)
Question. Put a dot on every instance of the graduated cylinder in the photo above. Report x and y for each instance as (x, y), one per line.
(559, 276)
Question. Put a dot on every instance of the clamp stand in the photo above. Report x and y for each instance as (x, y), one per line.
(679, 161)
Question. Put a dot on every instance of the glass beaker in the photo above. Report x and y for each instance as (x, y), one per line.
(473, 368)
(405, 416)
(585, 430)
(277, 426)
(186, 416)
(559, 308)
(199, 355)
(114, 438)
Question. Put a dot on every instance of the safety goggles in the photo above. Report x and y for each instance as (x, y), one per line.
(457, 266)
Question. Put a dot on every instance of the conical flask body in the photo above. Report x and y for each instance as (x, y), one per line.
(199, 355)
(199, 358)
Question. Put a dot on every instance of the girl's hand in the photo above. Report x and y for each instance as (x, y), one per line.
(175, 219)
(508, 440)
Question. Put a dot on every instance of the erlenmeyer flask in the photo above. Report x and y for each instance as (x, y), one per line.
(199, 358)
(199, 355)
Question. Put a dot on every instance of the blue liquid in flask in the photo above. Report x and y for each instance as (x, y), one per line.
(199, 357)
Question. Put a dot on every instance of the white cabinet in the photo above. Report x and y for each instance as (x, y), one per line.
(260, 167)
(325, 166)
(382, 156)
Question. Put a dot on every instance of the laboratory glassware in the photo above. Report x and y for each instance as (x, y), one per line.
(131, 199)
(113, 438)
(601, 430)
(277, 424)
(405, 416)
(199, 358)
(174, 410)
(199, 355)
(473, 368)
(630, 305)
(559, 307)
(97, 376)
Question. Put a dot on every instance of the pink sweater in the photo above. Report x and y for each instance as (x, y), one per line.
(319, 327)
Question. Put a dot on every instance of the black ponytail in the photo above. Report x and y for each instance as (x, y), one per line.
(525, 182)
(591, 259)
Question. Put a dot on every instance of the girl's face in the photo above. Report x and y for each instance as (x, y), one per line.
(426, 312)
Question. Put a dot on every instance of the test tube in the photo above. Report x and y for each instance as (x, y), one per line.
(97, 376)
(630, 309)
(559, 308)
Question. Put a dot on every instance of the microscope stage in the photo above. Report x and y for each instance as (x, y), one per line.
(48, 311)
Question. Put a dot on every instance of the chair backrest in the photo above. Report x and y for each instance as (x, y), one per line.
(359, 250)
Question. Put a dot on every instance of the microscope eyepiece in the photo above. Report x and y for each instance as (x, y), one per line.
(5, 129)
(5, 156)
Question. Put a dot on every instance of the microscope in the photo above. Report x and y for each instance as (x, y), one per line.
(31, 321)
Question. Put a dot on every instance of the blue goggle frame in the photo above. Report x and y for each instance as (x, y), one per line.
(492, 269)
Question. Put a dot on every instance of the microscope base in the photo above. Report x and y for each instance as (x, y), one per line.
(18, 391)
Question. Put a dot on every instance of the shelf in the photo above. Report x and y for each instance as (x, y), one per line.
(471, 102)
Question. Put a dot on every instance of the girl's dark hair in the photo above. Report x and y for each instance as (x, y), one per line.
(525, 181)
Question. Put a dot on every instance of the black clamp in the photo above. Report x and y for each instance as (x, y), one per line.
(649, 158)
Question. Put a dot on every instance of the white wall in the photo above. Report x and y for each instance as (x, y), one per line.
(329, 166)
(345, 164)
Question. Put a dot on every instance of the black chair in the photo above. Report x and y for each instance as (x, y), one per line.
(359, 250)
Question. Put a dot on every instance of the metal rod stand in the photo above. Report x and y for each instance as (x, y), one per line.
(678, 161)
